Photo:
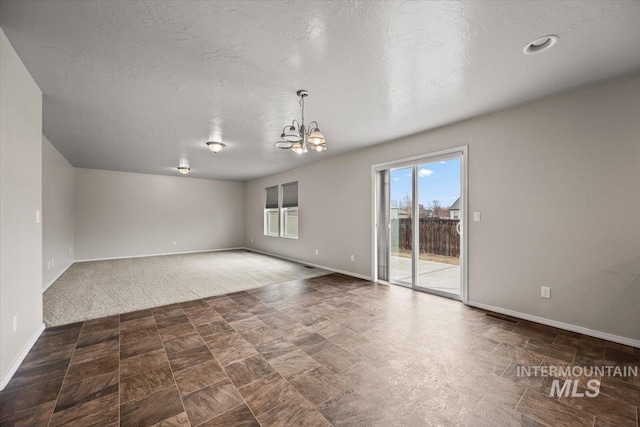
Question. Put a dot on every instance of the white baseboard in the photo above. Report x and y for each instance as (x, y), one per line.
(324, 267)
(556, 324)
(16, 363)
(57, 277)
(163, 254)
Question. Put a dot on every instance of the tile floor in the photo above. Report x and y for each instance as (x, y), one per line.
(331, 350)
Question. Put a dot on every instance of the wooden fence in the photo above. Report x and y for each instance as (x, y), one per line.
(437, 236)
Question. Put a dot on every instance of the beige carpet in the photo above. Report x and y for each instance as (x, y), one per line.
(89, 290)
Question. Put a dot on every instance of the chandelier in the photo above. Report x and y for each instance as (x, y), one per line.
(300, 139)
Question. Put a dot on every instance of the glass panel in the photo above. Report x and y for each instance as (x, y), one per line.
(272, 222)
(290, 216)
(401, 239)
(440, 212)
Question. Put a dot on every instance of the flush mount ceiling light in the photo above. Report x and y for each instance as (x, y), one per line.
(541, 44)
(184, 169)
(216, 147)
(300, 139)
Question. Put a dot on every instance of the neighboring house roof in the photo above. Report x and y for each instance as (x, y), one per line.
(456, 205)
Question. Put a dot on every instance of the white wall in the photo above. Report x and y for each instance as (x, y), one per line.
(120, 214)
(558, 185)
(20, 198)
(57, 210)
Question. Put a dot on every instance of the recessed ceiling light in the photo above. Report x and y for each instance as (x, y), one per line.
(541, 44)
(184, 170)
(216, 147)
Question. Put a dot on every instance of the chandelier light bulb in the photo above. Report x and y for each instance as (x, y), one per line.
(216, 147)
(296, 135)
(184, 170)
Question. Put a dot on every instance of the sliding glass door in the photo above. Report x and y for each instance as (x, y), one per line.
(400, 241)
(419, 223)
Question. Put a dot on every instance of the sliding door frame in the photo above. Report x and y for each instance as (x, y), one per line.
(464, 183)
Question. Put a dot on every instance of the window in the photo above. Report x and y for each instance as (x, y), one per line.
(290, 210)
(271, 212)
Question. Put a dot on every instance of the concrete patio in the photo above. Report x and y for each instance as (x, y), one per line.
(431, 275)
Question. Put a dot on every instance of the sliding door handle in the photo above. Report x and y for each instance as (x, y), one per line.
(459, 227)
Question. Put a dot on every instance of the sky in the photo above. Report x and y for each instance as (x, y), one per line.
(436, 181)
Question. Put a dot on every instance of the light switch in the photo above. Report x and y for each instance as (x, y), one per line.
(476, 217)
(38, 216)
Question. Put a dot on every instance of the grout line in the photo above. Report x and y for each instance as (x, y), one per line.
(520, 400)
(221, 367)
(65, 374)
(175, 383)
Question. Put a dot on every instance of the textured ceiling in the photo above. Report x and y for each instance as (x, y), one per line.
(139, 86)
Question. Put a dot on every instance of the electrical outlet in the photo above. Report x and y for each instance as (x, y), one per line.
(545, 292)
(353, 257)
(317, 252)
(251, 240)
(70, 250)
(38, 216)
(49, 265)
(477, 217)
(14, 322)
(175, 243)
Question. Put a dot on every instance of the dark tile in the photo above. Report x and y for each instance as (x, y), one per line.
(295, 412)
(274, 348)
(34, 372)
(102, 411)
(135, 315)
(180, 420)
(211, 402)
(29, 396)
(87, 390)
(548, 411)
(230, 348)
(144, 362)
(101, 324)
(295, 363)
(260, 335)
(96, 337)
(55, 338)
(201, 315)
(37, 416)
(318, 385)
(214, 327)
(277, 320)
(96, 351)
(247, 370)
(240, 416)
(194, 378)
(133, 335)
(312, 343)
(266, 393)
(348, 340)
(335, 358)
(152, 409)
(137, 386)
(621, 356)
(552, 350)
(145, 345)
(190, 357)
(172, 321)
(246, 324)
(177, 331)
(82, 371)
(183, 343)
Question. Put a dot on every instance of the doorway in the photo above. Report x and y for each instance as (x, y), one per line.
(419, 222)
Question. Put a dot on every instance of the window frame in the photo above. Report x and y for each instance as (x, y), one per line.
(285, 210)
(267, 212)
